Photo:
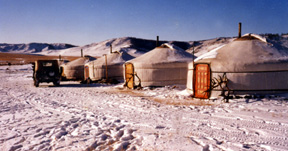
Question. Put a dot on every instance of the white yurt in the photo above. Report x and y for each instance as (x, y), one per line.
(247, 65)
(113, 62)
(164, 65)
(74, 70)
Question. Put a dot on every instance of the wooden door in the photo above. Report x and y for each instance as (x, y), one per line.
(202, 81)
(86, 72)
(129, 75)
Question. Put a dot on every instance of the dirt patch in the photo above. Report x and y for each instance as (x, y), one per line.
(19, 59)
(184, 102)
(168, 101)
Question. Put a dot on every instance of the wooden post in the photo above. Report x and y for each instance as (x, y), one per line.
(106, 68)
(81, 52)
(239, 30)
(60, 57)
(193, 53)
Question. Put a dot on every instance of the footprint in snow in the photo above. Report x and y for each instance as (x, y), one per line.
(160, 127)
(15, 147)
(122, 146)
(207, 148)
(60, 134)
(119, 134)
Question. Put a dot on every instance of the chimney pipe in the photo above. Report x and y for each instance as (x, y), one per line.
(81, 52)
(157, 41)
(111, 48)
(60, 57)
(239, 30)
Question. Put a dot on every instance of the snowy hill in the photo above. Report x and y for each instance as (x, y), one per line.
(33, 47)
(131, 45)
(137, 46)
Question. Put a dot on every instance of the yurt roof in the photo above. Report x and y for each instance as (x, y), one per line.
(163, 54)
(80, 61)
(113, 58)
(250, 52)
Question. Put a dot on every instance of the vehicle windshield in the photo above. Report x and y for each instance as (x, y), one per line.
(47, 64)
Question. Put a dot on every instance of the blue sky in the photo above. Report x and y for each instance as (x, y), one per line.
(83, 22)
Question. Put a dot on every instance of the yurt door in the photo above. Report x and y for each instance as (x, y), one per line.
(202, 81)
(129, 75)
(86, 72)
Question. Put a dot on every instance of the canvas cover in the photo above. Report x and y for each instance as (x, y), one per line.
(115, 61)
(74, 70)
(251, 64)
(164, 65)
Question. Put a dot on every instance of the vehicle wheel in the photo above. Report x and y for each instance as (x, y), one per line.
(88, 81)
(56, 83)
(36, 83)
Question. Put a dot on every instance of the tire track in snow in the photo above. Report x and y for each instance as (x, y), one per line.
(96, 118)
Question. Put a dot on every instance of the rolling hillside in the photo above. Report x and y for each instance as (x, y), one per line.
(133, 46)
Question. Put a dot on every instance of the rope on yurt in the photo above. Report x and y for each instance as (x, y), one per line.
(222, 82)
(128, 80)
(139, 84)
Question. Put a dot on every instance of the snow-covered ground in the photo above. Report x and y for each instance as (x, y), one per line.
(77, 116)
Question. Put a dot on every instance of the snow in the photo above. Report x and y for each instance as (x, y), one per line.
(211, 54)
(127, 44)
(263, 39)
(205, 46)
(77, 116)
(171, 46)
(166, 53)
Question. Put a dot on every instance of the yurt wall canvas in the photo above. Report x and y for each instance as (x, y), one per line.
(248, 65)
(74, 70)
(164, 65)
(114, 61)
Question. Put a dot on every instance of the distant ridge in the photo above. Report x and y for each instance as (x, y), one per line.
(31, 48)
(131, 45)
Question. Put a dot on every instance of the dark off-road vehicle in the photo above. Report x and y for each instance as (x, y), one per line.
(46, 71)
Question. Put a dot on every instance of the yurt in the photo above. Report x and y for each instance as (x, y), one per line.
(112, 63)
(247, 65)
(164, 65)
(74, 70)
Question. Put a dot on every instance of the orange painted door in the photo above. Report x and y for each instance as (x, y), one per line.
(129, 75)
(202, 81)
(86, 72)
